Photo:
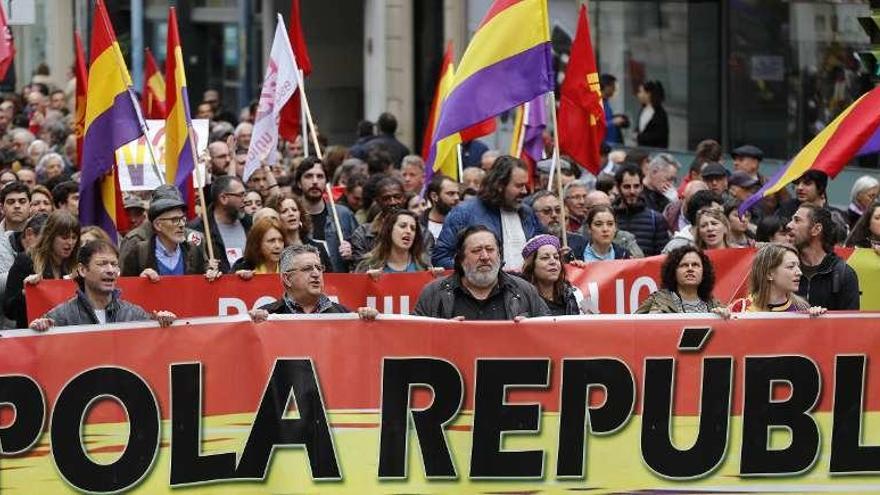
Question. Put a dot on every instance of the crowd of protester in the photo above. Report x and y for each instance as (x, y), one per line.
(499, 230)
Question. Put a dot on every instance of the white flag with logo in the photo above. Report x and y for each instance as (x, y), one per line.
(278, 86)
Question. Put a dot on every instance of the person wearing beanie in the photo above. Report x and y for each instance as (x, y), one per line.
(543, 268)
(169, 250)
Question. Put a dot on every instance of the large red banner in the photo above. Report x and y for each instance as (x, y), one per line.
(614, 286)
(762, 403)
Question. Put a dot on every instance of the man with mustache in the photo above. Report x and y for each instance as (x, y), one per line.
(169, 250)
(479, 290)
(633, 214)
(499, 207)
(310, 181)
(827, 280)
(549, 213)
(229, 226)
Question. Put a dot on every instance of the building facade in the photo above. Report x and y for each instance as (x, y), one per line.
(767, 72)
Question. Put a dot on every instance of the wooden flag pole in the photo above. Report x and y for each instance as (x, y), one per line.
(202, 187)
(460, 162)
(320, 156)
(522, 131)
(558, 169)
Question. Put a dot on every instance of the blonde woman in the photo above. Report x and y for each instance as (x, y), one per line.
(773, 283)
(712, 230)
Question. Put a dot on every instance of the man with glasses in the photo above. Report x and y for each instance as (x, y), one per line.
(229, 226)
(169, 250)
(302, 276)
(549, 213)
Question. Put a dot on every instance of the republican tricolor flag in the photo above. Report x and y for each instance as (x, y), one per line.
(112, 120)
(507, 63)
(179, 163)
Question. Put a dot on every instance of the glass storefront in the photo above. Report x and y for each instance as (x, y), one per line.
(767, 72)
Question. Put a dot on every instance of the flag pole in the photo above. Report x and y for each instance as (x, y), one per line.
(558, 169)
(460, 162)
(302, 113)
(522, 132)
(320, 155)
(202, 186)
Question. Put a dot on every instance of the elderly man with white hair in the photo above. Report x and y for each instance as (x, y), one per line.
(659, 182)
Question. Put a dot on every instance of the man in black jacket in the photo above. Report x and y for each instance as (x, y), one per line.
(479, 290)
(827, 280)
(229, 227)
(634, 216)
(302, 276)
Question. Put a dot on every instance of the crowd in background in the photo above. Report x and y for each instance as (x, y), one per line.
(505, 236)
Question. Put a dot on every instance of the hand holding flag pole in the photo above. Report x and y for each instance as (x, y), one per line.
(202, 185)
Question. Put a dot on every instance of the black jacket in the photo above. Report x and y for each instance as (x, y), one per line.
(520, 298)
(656, 133)
(216, 238)
(14, 303)
(835, 285)
(279, 307)
(647, 225)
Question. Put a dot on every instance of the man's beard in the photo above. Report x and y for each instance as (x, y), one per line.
(443, 208)
(554, 229)
(232, 212)
(482, 279)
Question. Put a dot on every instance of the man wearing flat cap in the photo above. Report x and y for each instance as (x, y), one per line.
(715, 176)
(169, 250)
(747, 159)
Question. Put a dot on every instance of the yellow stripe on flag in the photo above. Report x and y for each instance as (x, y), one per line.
(106, 81)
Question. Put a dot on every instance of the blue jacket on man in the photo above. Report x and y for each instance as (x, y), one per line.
(475, 212)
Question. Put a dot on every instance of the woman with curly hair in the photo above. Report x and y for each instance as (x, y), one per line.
(687, 280)
(296, 225)
(773, 283)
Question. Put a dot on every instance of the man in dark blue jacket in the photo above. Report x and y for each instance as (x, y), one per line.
(500, 208)
(634, 216)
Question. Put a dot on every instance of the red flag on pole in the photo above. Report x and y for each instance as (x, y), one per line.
(581, 116)
(153, 94)
(291, 125)
(82, 81)
(7, 46)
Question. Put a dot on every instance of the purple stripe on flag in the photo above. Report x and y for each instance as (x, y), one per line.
(758, 196)
(110, 130)
(872, 145)
(496, 89)
(533, 141)
(185, 164)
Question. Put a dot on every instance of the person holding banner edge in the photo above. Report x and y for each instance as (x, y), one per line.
(302, 276)
(97, 299)
(687, 280)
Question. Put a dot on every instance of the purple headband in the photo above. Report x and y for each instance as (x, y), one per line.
(539, 240)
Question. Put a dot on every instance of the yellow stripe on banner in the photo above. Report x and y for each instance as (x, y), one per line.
(107, 80)
(513, 31)
(108, 194)
(807, 156)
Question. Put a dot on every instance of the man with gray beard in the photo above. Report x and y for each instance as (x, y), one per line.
(479, 290)
(549, 212)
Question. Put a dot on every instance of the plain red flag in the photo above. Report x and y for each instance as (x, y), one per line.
(581, 123)
(291, 125)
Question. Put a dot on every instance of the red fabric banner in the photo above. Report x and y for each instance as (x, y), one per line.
(615, 287)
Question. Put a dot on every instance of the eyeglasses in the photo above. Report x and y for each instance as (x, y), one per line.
(181, 220)
(237, 195)
(307, 269)
(550, 210)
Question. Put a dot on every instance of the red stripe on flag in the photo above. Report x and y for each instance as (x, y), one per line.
(103, 35)
(496, 9)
